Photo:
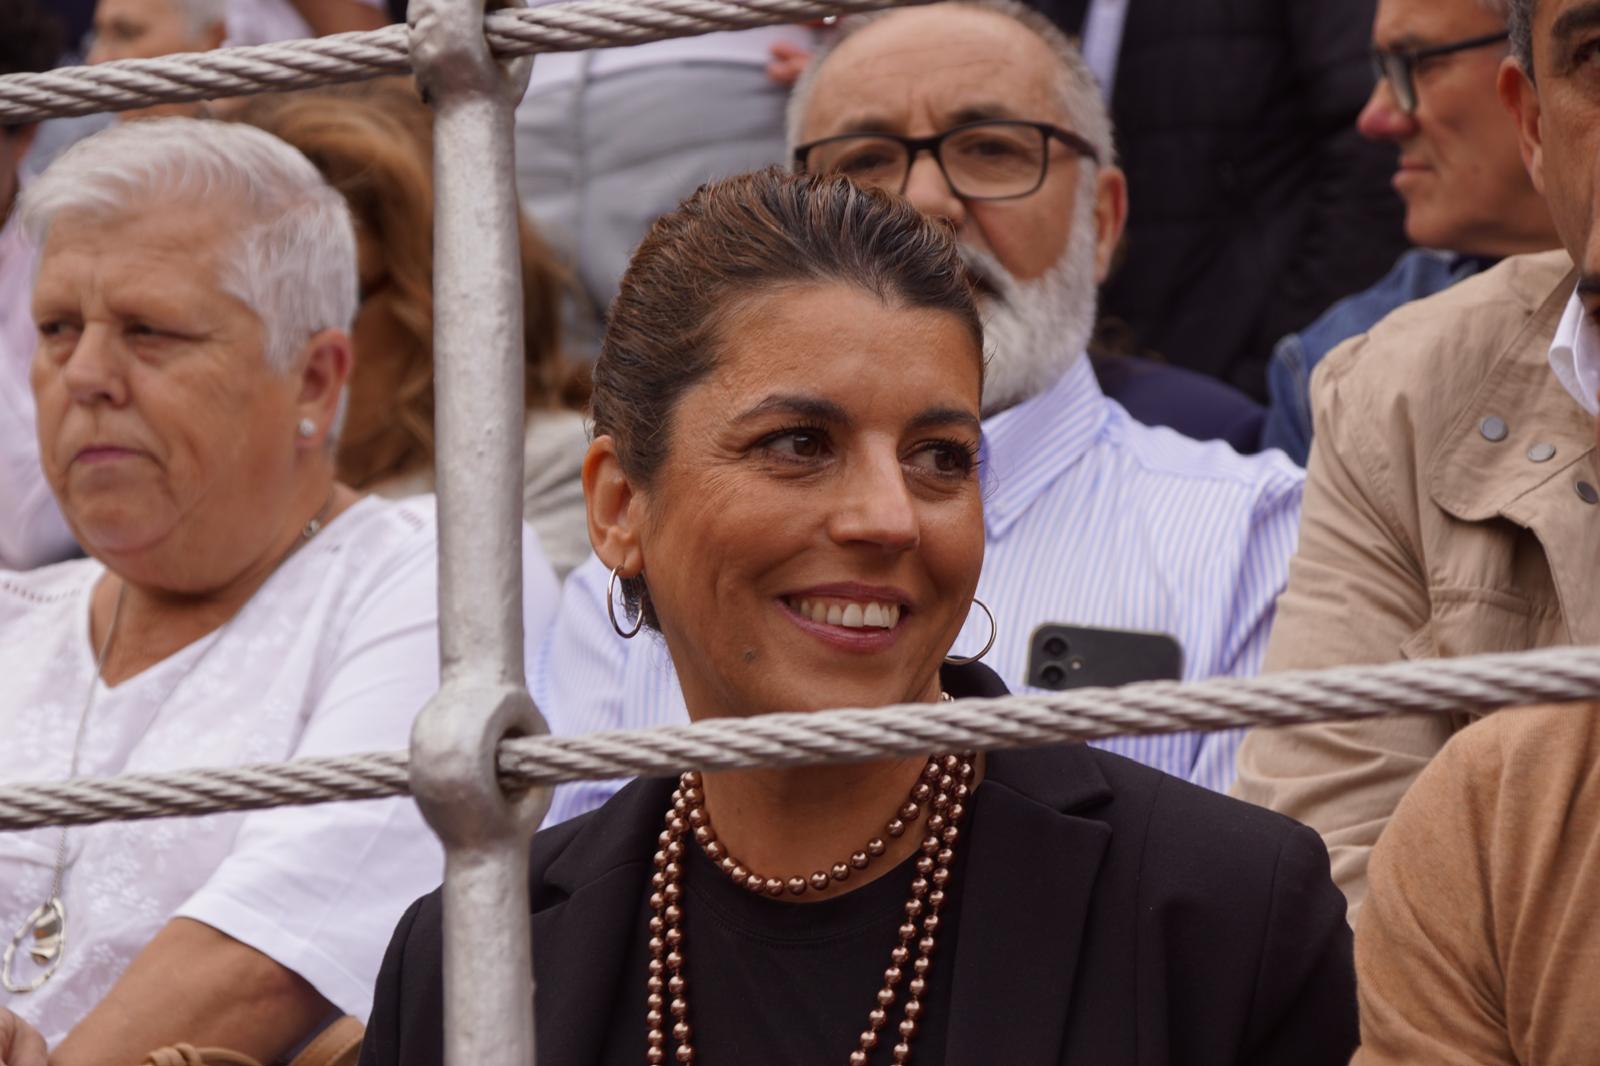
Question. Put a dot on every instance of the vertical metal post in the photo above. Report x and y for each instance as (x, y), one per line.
(483, 697)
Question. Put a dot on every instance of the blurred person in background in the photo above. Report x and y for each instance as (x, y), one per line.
(1452, 493)
(56, 134)
(240, 605)
(32, 530)
(1469, 200)
(374, 143)
(146, 29)
(608, 140)
(1256, 203)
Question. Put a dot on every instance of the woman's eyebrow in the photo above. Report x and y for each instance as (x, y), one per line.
(946, 416)
(811, 407)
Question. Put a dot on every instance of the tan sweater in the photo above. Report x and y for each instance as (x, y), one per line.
(1480, 939)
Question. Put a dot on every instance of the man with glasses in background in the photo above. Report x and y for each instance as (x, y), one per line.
(1469, 202)
(983, 115)
(1452, 502)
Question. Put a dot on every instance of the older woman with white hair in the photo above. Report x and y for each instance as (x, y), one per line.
(195, 287)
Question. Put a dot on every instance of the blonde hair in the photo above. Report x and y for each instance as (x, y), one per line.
(373, 143)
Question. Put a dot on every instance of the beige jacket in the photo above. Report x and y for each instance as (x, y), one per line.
(1480, 942)
(1423, 536)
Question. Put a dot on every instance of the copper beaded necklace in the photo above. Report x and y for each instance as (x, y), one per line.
(942, 789)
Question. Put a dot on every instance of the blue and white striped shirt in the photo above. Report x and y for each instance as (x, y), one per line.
(1092, 519)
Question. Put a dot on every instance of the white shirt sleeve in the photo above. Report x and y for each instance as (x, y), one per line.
(319, 889)
(587, 678)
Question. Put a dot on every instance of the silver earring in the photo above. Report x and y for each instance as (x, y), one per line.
(611, 608)
(994, 631)
(306, 427)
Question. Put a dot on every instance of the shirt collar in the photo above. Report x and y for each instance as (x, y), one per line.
(1575, 355)
(1026, 447)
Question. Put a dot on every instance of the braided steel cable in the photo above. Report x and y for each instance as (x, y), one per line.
(565, 27)
(1450, 686)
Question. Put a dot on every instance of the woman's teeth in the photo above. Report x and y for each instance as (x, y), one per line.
(848, 613)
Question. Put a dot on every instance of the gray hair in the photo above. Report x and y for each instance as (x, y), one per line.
(293, 255)
(1519, 17)
(1081, 99)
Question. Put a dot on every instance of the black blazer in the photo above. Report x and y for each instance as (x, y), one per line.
(1126, 918)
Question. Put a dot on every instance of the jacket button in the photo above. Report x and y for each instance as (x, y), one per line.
(1494, 429)
(1587, 493)
(1542, 453)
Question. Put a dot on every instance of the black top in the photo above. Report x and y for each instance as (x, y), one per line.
(1110, 915)
(784, 983)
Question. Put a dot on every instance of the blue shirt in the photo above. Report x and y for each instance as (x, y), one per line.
(1091, 518)
(1417, 274)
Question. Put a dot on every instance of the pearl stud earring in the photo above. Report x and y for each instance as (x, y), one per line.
(306, 427)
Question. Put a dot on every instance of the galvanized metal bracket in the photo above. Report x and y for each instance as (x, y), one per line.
(483, 698)
(449, 52)
(453, 759)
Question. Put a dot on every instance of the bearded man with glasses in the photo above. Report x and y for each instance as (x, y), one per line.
(984, 116)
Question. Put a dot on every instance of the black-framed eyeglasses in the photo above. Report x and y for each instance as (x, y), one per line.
(1398, 66)
(999, 159)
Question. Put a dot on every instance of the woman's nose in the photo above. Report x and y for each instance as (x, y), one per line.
(876, 507)
(1382, 119)
(93, 370)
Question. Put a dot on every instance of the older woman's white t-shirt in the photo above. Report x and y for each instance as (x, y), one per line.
(335, 654)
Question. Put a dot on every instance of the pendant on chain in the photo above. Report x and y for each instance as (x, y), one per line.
(44, 935)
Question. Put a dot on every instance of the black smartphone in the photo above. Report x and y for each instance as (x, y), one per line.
(1063, 657)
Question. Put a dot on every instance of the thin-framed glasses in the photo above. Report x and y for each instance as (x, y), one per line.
(1000, 159)
(1398, 66)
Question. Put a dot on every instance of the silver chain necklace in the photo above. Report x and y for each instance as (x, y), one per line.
(44, 932)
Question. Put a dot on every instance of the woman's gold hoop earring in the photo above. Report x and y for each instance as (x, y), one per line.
(638, 623)
(968, 660)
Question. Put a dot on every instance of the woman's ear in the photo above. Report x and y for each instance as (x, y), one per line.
(614, 509)
(326, 362)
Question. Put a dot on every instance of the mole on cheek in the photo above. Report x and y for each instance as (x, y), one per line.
(749, 655)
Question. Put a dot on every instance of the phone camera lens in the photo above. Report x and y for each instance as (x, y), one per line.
(1052, 676)
(1055, 647)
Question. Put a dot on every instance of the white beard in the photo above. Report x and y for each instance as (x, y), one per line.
(1035, 330)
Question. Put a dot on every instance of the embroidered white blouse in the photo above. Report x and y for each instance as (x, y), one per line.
(335, 654)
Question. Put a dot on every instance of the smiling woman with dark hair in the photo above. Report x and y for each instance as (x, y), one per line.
(785, 483)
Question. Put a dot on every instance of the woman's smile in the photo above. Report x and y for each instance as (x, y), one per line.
(852, 617)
